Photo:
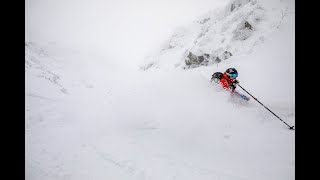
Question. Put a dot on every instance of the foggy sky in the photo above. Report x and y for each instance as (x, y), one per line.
(125, 29)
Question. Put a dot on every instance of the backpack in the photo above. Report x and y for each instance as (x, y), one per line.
(216, 77)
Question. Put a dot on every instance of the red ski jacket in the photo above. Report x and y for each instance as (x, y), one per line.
(226, 82)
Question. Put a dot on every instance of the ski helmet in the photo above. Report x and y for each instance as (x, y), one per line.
(232, 73)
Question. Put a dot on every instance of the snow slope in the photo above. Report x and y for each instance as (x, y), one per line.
(89, 117)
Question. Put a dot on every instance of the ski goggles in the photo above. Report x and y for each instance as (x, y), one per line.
(234, 75)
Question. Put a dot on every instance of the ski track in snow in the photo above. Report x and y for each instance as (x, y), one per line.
(181, 169)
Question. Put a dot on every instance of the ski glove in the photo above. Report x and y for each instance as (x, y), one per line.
(234, 84)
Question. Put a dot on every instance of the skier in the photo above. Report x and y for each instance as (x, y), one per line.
(228, 81)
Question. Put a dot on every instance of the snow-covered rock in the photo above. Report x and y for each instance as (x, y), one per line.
(236, 29)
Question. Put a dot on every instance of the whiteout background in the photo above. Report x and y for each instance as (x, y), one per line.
(92, 114)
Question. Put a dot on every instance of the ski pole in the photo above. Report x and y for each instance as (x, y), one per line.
(290, 127)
